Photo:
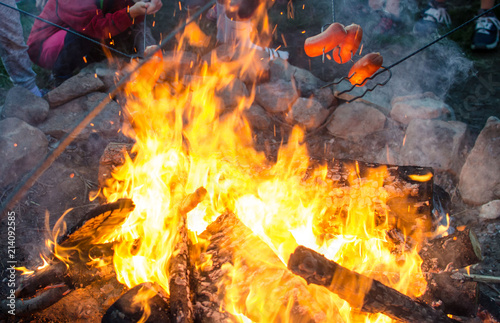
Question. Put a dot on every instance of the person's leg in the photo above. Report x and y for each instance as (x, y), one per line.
(75, 54)
(487, 32)
(13, 49)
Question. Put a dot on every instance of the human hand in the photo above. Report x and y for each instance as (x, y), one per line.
(141, 8)
(154, 6)
(138, 9)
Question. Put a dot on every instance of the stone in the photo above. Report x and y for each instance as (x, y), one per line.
(434, 143)
(325, 97)
(421, 106)
(233, 94)
(257, 117)
(308, 113)
(480, 177)
(21, 148)
(306, 82)
(74, 87)
(22, 104)
(276, 97)
(63, 119)
(355, 120)
(490, 210)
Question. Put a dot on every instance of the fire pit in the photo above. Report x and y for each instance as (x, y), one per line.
(203, 220)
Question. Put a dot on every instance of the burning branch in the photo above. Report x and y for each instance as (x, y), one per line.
(360, 291)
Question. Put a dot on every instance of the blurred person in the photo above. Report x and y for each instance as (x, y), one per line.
(13, 49)
(234, 24)
(389, 11)
(117, 23)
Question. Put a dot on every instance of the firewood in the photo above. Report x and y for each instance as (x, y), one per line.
(46, 298)
(78, 239)
(452, 294)
(128, 308)
(455, 251)
(360, 291)
(179, 267)
(233, 247)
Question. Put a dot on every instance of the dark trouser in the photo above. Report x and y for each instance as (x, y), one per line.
(78, 52)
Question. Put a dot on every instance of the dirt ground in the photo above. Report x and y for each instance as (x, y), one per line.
(474, 98)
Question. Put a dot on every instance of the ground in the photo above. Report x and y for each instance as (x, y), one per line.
(474, 97)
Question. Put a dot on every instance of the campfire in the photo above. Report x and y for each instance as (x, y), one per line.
(202, 222)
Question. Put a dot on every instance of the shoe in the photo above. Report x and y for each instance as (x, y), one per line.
(433, 17)
(487, 33)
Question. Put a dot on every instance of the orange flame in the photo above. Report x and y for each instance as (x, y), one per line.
(186, 137)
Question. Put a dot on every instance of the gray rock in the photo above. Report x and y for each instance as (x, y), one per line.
(421, 106)
(276, 97)
(355, 120)
(21, 148)
(490, 210)
(22, 104)
(325, 97)
(434, 143)
(308, 113)
(75, 87)
(233, 94)
(306, 82)
(257, 117)
(480, 176)
(63, 119)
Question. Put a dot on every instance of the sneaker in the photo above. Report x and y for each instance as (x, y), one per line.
(486, 34)
(432, 18)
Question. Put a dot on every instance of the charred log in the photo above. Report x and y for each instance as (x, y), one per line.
(25, 307)
(360, 291)
(145, 300)
(179, 267)
(49, 284)
(455, 251)
(104, 218)
(451, 294)
(232, 247)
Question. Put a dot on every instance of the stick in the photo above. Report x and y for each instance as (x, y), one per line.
(483, 278)
(360, 291)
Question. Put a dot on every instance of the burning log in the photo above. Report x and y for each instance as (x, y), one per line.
(452, 294)
(49, 284)
(179, 267)
(239, 263)
(360, 291)
(144, 299)
(455, 251)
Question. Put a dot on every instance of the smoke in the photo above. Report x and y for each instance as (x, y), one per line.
(435, 69)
